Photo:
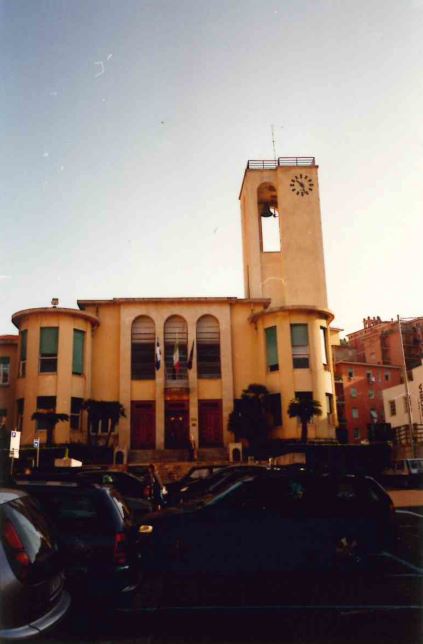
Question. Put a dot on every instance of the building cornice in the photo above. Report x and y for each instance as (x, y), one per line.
(325, 313)
(368, 364)
(265, 302)
(19, 316)
(9, 339)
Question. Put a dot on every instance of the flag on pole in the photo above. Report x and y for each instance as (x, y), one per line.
(191, 356)
(158, 355)
(176, 358)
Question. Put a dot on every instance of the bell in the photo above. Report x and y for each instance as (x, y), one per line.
(267, 212)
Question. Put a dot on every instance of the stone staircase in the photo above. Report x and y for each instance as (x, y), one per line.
(176, 455)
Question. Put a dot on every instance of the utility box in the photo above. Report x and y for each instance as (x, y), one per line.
(67, 462)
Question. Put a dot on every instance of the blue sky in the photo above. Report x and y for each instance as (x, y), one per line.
(126, 126)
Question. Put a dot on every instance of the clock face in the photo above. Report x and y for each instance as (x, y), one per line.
(301, 184)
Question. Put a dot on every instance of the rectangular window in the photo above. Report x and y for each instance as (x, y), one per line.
(354, 412)
(45, 403)
(3, 416)
(78, 352)
(371, 393)
(22, 356)
(304, 395)
(274, 404)
(329, 403)
(20, 403)
(356, 434)
(100, 426)
(353, 392)
(143, 361)
(208, 360)
(49, 342)
(370, 377)
(271, 348)
(323, 345)
(4, 370)
(350, 374)
(387, 376)
(75, 415)
(392, 408)
(299, 344)
(373, 415)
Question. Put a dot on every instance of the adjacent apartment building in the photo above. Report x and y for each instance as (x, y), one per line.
(370, 362)
(177, 365)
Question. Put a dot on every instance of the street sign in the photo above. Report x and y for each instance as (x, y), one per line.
(36, 443)
(15, 440)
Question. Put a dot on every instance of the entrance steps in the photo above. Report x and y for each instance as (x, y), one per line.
(176, 455)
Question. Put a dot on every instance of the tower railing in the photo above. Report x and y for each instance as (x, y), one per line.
(272, 164)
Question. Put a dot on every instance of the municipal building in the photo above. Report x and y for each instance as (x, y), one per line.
(178, 365)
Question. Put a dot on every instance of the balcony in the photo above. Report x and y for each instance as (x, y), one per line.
(280, 162)
(177, 381)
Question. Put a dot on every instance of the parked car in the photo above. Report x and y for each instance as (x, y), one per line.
(195, 473)
(287, 521)
(130, 487)
(31, 573)
(97, 537)
(407, 472)
(214, 482)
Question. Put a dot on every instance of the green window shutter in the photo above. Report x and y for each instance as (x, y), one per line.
(49, 340)
(24, 338)
(271, 348)
(299, 335)
(4, 360)
(78, 352)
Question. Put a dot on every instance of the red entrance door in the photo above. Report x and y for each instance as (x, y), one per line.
(176, 424)
(210, 423)
(143, 424)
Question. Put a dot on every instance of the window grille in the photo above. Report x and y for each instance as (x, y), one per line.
(208, 347)
(143, 349)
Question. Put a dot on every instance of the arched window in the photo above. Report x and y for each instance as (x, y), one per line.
(176, 347)
(143, 338)
(267, 203)
(208, 347)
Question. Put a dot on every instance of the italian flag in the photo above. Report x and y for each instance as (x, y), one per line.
(176, 359)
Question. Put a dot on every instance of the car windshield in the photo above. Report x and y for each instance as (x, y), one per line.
(220, 492)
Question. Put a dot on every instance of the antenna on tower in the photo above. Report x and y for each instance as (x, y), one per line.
(272, 127)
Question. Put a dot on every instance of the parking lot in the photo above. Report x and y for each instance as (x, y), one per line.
(383, 606)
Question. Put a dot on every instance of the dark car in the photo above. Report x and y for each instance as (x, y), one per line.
(195, 473)
(214, 482)
(31, 573)
(97, 537)
(130, 487)
(277, 521)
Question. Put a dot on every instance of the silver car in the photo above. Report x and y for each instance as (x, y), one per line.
(31, 575)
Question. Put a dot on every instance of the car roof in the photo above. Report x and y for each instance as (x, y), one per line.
(8, 494)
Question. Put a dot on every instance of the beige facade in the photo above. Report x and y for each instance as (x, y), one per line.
(8, 371)
(395, 401)
(278, 336)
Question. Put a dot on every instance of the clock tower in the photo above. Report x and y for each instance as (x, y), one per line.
(282, 234)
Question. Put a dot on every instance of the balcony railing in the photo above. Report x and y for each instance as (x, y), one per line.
(281, 161)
